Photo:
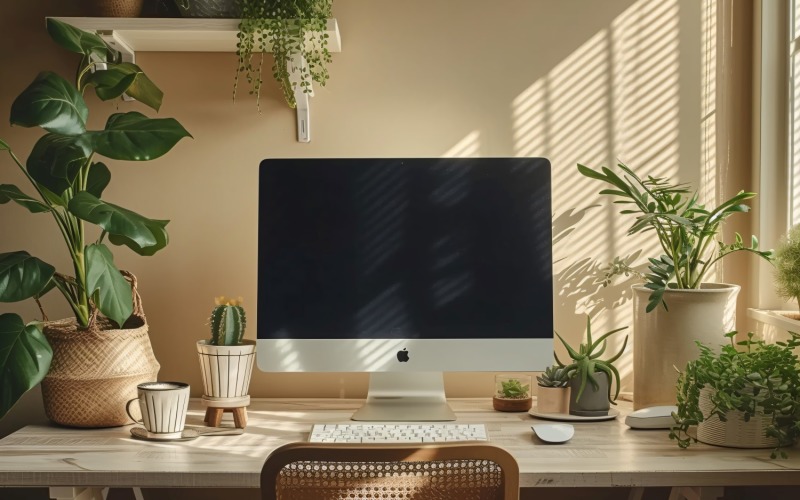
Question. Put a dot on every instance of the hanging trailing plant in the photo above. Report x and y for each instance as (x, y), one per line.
(287, 28)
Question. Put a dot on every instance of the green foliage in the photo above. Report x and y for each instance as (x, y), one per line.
(553, 376)
(685, 229)
(513, 389)
(67, 184)
(586, 361)
(287, 29)
(787, 265)
(760, 378)
(228, 322)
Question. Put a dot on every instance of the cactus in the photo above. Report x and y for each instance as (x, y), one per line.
(228, 322)
(553, 376)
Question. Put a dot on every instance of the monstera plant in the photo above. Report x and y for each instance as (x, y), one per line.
(66, 181)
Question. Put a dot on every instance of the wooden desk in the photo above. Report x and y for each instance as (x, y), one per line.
(601, 454)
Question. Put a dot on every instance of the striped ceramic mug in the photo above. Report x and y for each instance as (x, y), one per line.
(163, 406)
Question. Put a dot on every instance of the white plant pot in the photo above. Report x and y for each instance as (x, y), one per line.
(226, 369)
(665, 340)
(734, 432)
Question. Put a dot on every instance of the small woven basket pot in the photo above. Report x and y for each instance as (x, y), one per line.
(226, 369)
(115, 8)
(735, 433)
(95, 371)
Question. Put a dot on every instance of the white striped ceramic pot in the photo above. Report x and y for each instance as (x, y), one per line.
(226, 369)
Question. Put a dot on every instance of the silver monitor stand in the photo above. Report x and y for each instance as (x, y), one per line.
(405, 397)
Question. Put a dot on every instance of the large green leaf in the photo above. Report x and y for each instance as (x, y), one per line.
(76, 40)
(25, 359)
(133, 136)
(99, 177)
(126, 78)
(144, 233)
(56, 160)
(104, 281)
(10, 192)
(22, 276)
(52, 103)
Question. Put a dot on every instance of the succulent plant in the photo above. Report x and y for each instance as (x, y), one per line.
(228, 322)
(513, 389)
(553, 376)
(586, 362)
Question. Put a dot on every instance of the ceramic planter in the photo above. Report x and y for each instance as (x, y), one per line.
(519, 399)
(593, 402)
(734, 432)
(664, 340)
(553, 399)
(226, 369)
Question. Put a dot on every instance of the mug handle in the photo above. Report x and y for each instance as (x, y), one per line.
(128, 410)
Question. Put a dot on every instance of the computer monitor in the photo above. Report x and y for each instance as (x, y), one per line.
(405, 268)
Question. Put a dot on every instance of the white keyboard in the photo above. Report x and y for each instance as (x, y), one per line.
(397, 433)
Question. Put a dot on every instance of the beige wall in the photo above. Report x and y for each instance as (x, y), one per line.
(576, 81)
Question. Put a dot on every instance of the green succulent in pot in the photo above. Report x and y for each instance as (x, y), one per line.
(686, 229)
(66, 181)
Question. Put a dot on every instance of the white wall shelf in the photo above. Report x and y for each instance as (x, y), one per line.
(131, 35)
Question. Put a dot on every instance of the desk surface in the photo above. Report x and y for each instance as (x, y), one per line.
(600, 454)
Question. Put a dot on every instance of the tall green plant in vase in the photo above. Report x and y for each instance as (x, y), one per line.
(294, 31)
(66, 181)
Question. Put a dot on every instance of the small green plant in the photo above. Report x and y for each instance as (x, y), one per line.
(228, 322)
(553, 376)
(288, 30)
(685, 229)
(787, 266)
(586, 361)
(760, 378)
(513, 389)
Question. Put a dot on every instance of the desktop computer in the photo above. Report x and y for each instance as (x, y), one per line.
(405, 268)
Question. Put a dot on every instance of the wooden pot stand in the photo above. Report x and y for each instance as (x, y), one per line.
(215, 407)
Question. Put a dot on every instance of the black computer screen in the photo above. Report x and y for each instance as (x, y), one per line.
(431, 248)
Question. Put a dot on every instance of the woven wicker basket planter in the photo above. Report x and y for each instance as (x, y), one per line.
(226, 369)
(735, 433)
(94, 373)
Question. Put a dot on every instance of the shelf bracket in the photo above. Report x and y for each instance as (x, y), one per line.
(127, 54)
(301, 98)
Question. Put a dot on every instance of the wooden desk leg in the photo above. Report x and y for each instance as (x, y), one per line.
(636, 493)
(696, 492)
(214, 416)
(240, 417)
(77, 493)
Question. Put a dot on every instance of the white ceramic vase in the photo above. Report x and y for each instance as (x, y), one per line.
(226, 369)
(665, 340)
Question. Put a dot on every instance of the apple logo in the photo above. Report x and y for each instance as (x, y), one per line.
(402, 356)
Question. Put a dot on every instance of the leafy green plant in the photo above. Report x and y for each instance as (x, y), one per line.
(553, 376)
(787, 266)
(760, 378)
(513, 388)
(586, 361)
(228, 322)
(288, 29)
(68, 182)
(685, 229)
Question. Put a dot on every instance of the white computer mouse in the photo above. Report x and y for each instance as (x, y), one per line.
(554, 433)
(654, 417)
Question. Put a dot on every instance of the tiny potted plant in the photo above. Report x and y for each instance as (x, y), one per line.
(592, 399)
(512, 393)
(227, 358)
(553, 391)
(746, 397)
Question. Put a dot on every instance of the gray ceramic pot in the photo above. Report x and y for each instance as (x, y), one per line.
(593, 403)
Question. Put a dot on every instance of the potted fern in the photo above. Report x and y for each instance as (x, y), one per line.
(590, 376)
(553, 391)
(745, 395)
(226, 359)
(89, 365)
(675, 306)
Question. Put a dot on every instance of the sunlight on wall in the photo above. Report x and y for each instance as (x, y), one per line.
(794, 99)
(709, 189)
(614, 99)
(468, 147)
